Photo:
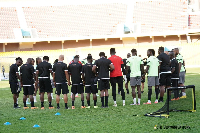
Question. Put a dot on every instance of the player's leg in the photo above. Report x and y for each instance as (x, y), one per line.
(113, 84)
(102, 98)
(14, 89)
(74, 91)
(65, 91)
(88, 99)
(138, 82)
(95, 100)
(49, 90)
(139, 94)
(34, 96)
(181, 83)
(162, 82)
(58, 92)
(42, 91)
(25, 90)
(133, 95)
(120, 84)
(30, 93)
(142, 84)
(81, 91)
(106, 98)
(94, 92)
(126, 85)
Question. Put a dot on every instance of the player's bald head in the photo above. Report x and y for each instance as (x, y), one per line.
(29, 60)
(61, 57)
(171, 54)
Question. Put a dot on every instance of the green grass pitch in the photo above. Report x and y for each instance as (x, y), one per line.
(112, 119)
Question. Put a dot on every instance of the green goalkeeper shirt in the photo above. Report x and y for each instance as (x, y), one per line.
(134, 63)
(153, 64)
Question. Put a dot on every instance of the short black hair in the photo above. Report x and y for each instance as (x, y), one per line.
(101, 54)
(133, 50)
(46, 58)
(89, 54)
(112, 50)
(89, 57)
(76, 56)
(18, 58)
(161, 49)
(56, 61)
(152, 51)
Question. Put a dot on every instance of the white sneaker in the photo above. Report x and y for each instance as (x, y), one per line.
(115, 105)
(97, 95)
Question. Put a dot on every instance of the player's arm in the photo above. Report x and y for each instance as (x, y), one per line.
(83, 75)
(37, 73)
(172, 67)
(95, 66)
(146, 70)
(111, 67)
(67, 77)
(20, 77)
(142, 68)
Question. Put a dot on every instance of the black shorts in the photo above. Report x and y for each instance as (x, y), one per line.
(28, 90)
(128, 79)
(91, 88)
(114, 80)
(64, 88)
(14, 88)
(103, 84)
(45, 85)
(165, 79)
(77, 89)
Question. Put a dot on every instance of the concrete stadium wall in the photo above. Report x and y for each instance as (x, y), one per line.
(47, 46)
(1, 47)
(110, 42)
(12, 47)
(74, 44)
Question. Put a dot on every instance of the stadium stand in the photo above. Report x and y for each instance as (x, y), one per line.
(8, 21)
(160, 16)
(194, 21)
(75, 20)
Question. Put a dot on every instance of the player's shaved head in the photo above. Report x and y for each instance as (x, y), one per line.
(171, 54)
(29, 61)
(61, 57)
(176, 51)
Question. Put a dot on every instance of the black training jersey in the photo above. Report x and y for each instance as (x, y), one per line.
(59, 69)
(87, 71)
(165, 62)
(44, 69)
(75, 69)
(129, 71)
(103, 65)
(27, 72)
(174, 64)
(12, 73)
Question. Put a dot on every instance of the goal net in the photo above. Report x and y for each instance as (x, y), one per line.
(187, 103)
